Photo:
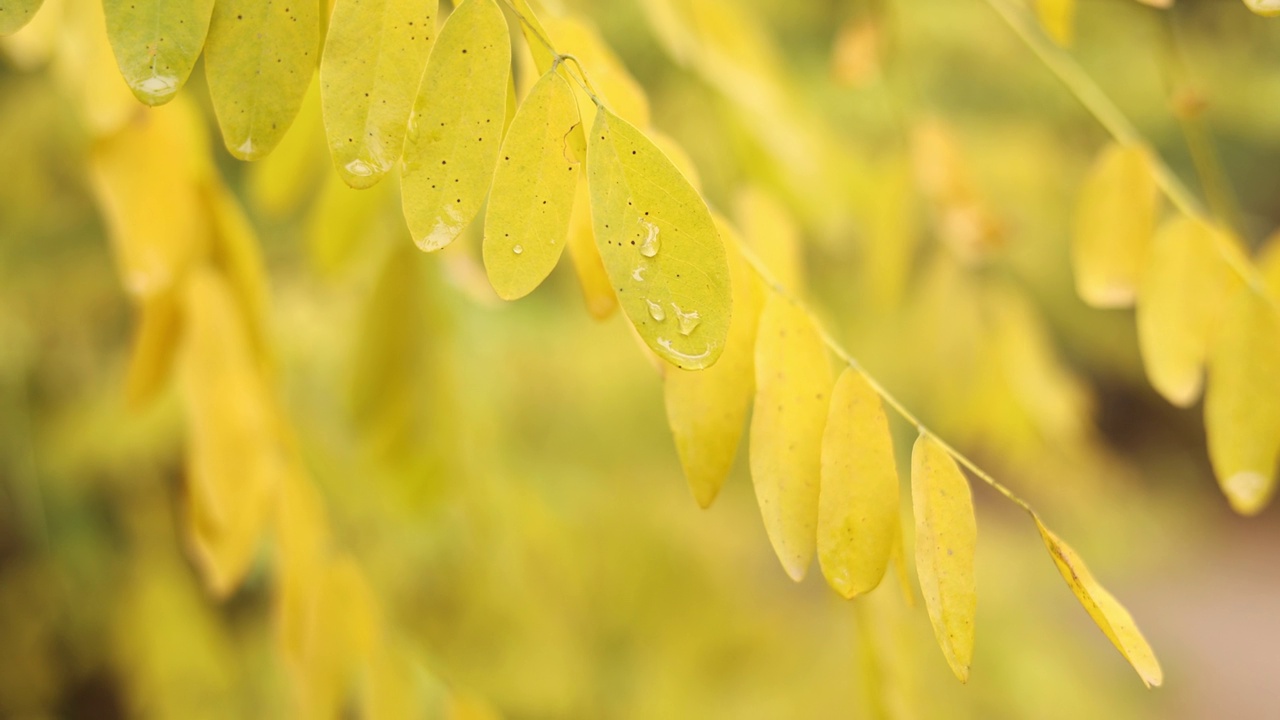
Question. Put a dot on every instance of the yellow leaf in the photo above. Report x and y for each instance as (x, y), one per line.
(678, 157)
(773, 235)
(946, 537)
(597, 291)
(659, 244)
(259, 58)
(154, 345)
(527, 223)
(373, 59)
(145, 178)
(1265, 8)
(14, 14)
(535, 36)
(234, 458)
(609, 78)
(280, 183)
(707, 409)
(456, 127)
(343, 220)
(86, 69)
(1106, 611)
(858, 496)
(33, 45)
(793, 380)
(1114, 222)
(1242, 402)
(156, 43)
(1058, 19)
(1269, 265)
(1184, 286)
(302, 537)
(237, 255)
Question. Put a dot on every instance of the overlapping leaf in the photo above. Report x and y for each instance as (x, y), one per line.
(659, 245)
(793, 387)
(456, 128)
(374, 56)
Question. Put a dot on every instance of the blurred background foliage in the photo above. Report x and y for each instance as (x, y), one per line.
(503, 473)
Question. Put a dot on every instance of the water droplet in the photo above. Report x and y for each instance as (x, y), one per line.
(688, 321)
(649, 246)
(157, 88)
(517, 249)
(246, 149)
(655, 310)
(359, 168)
(665, 344)
(638, 274)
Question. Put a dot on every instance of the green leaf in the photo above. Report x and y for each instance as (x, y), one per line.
(527, 223)
(1242, 401)
(946, 538)
(259, 58)
(156, 43)
(659, 245)
(793, 382)
(374, 56)
(858, 497)
(14, 14)
(456, 127)
(1107, 612)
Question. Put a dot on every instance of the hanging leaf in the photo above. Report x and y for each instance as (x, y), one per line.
(1058, 19)
(1114, 223)
(1106, 611)
(373, 59)
(281, 182)
(154, 345)
(234, 461)
(1242, 402)
(597, 290)
(946, 537)
(156, 43)
(535, 36)
(14, 14)
(236, 253)
(793, 382)
(1183, 289)
(456, 127)
(858, 500)
(259, 58)
(527, 223)
(659, 245)
(707, 409)
(144, 178)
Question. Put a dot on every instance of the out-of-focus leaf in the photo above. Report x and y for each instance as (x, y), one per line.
(611, 81)
(155, 344)
(527, 224)
(1184, 287)
(234, 458)
(773, 236)
(1265, 8)
(237, 253)
(659, 245)
(279, 183)
(1242, 401)
(86, 69)
(259, 59)
(946, 537)
(145, 179)
(374, 56)
(156, 43)
(597, 291)
(1106, 611)
(452, 147)
(858, 496)
(707, 409)
(33, 45)
(1058, 17)
(1115, 220)
(793, 386)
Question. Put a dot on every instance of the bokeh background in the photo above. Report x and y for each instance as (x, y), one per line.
(503, 473)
